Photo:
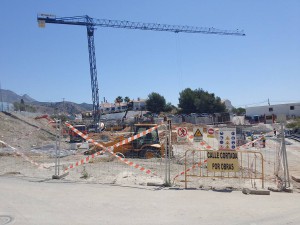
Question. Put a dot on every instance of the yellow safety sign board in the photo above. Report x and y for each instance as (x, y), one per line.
(198, 134)
(222, 161)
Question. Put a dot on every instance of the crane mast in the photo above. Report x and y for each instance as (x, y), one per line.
(91, 23)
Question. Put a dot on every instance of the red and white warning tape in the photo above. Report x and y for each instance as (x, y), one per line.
(22, 155)
(111, 148)
(247, 144)
(204, 146)
(189, 169)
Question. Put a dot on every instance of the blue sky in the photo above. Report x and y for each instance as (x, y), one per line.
(52, 63)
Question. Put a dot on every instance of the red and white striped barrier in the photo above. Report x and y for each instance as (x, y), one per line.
(189, 169)
(205, 146)
(110, 149)
(23, 155)
(248, 143)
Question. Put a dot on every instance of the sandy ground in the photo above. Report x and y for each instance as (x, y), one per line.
(31, 201)
(107, 191)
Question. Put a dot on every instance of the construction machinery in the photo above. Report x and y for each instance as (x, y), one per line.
(75, 137)
(120, 124)
(129, 107)
(47, 118)
(147, 146)
(91, 23)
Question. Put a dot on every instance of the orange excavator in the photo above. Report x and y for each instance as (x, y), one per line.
(51, 121)
(147, 146)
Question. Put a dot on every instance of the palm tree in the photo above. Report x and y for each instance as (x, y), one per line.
(126, 99)
(119, 99)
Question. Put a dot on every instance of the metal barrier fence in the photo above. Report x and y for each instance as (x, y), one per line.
(224, 164)
(108, 169)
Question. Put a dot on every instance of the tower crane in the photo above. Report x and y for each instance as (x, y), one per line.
(91, 23)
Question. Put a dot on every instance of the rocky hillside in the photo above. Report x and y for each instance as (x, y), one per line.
(44, 107)
(11, 97)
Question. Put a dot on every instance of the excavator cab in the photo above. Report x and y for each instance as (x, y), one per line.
(148, 139)
(147, 146)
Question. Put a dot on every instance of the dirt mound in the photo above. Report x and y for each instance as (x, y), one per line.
(25, 132)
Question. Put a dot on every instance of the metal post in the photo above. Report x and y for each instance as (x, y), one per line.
(169, 150)
(56, 148)
(166, 162)
(59, 141)
(168, 154)
(262, 171)
(185, 168)
(286, 175)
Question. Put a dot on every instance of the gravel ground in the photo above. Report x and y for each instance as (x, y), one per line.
(107, 191)
(39, 146)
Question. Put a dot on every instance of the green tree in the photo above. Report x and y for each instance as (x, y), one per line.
(155, 103)
(200, 101)
(127, 99)
(169, 107)
(16, 106)
(238, 111)
(22, 105)
(187, 101)
(119, 99)
(30, 108)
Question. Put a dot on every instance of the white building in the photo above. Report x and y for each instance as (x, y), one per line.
(139, 104)
(107, 108)
(289, 109)
(113, 107)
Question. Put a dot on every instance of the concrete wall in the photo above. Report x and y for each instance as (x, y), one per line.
(198, 120)
(284, 109)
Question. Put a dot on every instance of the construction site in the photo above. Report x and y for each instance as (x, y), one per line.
(132, 166)
(155, 156)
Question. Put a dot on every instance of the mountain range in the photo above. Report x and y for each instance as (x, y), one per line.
(44, 107)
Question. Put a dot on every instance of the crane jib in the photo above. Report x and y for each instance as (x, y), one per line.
(90, 23)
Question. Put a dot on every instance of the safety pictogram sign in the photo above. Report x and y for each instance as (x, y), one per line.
(182, 134)
(198, 134)
(210, 132)
(227, 138)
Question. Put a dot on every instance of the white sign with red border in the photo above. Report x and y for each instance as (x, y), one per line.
(210, 132)
(182, 134)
